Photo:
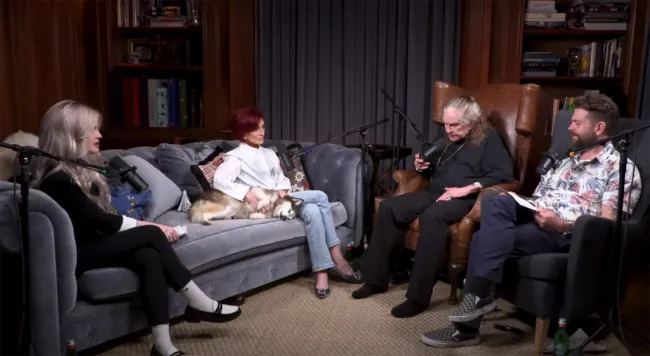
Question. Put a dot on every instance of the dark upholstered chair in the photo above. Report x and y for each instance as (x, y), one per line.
(575, 285)
(520, 114)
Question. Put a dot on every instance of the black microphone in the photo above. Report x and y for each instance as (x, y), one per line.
(287, 161)
(430, 152)
(127, 174)
(549, 161)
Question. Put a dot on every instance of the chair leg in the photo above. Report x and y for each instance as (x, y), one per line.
(454, 273)
(541, 329)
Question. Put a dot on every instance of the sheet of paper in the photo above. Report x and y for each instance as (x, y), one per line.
(523, 202)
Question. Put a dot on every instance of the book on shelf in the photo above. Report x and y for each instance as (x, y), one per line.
(543, 14)
(539, 64)
(156, 13)
(164, 103)
(610, 15)
(600, 59)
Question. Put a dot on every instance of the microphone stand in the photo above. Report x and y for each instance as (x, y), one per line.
(363, 131)
(403, 120)
(25, 155)
(623, 145)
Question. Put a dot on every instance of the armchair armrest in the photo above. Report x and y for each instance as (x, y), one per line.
(459, 248)
(590, 265)
(52, 261)
(336, 170)
(408, 181)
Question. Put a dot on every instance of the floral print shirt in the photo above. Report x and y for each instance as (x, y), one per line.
(580, 187)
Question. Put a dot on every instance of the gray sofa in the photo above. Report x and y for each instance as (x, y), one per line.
(227, 258)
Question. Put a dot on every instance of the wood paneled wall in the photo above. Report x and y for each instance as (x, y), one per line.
(52, 50)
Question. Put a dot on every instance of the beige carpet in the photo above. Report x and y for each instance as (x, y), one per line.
(288, 319)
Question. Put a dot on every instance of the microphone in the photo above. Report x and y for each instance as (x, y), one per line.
(549, 161)
(127, 174)
(430, 152)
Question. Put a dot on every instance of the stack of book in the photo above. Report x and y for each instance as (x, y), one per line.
(543, 14)
(539, 64)
(602, 15)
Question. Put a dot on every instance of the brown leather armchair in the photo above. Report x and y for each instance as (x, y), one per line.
(514, 110)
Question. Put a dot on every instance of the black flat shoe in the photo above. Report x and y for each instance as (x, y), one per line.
(356, 277)
(154, 352)
(322, 293)
(195, 316)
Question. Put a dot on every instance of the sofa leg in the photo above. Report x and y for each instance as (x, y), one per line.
(541, 329)
(454, 273)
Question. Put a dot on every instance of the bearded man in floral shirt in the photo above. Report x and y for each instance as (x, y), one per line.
(586, 184)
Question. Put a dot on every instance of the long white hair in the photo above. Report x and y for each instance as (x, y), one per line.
(64, 132)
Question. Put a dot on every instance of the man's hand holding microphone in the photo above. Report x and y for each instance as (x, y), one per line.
(420, 163)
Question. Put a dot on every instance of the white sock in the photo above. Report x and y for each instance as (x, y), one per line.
(162, 341)
(198, 300)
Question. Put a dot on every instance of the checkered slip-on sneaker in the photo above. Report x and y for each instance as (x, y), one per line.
(470, 309)
(449, 337)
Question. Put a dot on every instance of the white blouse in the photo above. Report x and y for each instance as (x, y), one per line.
(246, 167)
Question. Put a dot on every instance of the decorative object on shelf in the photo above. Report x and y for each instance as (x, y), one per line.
(573, 58)
(139, 51)
(170, 51)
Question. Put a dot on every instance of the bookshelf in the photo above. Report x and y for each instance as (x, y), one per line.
(571, 47)
(157, 77)
(499, 32)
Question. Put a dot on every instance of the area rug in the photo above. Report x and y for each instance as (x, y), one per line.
(287, 319)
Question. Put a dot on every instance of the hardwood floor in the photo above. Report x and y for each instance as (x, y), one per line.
(636, 315)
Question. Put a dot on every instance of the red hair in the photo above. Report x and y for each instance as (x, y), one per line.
(245, 120)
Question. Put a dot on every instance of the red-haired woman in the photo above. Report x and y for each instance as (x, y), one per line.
(251, 165)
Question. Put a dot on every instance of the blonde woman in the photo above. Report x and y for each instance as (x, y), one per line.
(473, 157)
(71, 130)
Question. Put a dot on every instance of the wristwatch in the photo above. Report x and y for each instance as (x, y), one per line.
(478, 185)
(569, 228)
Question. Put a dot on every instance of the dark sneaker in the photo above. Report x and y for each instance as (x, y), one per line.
(450, 337)
(471, 308)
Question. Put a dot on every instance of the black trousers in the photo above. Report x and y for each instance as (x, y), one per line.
(392, 220)
(146, 251)
(508, 230)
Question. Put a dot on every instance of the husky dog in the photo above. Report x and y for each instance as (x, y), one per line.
(8, 157)
(216, 205)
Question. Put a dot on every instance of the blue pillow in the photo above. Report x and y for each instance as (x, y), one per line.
(126, 201)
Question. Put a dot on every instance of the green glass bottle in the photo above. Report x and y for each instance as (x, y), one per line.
(71, 348)
(561, 339)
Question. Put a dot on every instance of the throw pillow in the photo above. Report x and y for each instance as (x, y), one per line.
(165, 195)
(297, 175)
(204, 170)
(126, 201)
(175, 162)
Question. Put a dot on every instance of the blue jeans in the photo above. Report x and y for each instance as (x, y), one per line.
(316, 212)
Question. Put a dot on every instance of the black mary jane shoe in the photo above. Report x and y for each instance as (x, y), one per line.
(356, 277)
(322, 293)
(154, 352)
(196, 316)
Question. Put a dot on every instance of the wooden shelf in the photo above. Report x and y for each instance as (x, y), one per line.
(570, 79)
(152, 31)
(156, 67)
(572, 33)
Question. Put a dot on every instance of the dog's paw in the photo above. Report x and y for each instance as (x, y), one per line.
(206, 222)
(257, 216)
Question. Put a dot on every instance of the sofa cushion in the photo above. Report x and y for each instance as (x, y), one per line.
(206, 247)
(165, 195)
(549, 267)
(175, 162)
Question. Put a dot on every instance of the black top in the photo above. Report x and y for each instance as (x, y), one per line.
(487, 162)
(88, 219)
